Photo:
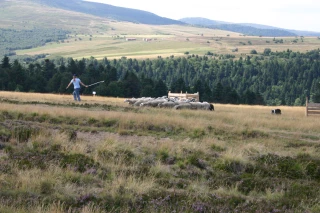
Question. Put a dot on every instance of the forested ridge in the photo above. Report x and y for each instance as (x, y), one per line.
(273, 78)
(247, 28)
(11, 40)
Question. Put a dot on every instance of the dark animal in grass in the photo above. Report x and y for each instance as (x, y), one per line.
(276, 111)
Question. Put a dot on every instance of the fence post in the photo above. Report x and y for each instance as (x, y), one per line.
(307, 106)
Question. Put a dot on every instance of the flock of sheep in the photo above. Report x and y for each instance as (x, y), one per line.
(165, 102)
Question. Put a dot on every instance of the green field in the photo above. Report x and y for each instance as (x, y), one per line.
(100, 47)
(115, 46)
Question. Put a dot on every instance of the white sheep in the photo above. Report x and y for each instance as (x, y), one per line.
(142, 100)
(195, 105)
(155, 103)
(131, 101)
(168, 104)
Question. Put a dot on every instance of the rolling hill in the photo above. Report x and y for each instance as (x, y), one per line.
(247, 28)
(202, 21)
(109, 11)
(297, 32)
(253, 31)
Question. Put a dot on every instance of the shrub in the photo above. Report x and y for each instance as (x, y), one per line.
(195, 160)
(79, 162)
(217, 148)
(105, 154)
(125, 154)
(248, 133)
(235, 167)
(254, 52)
(109, 123)
(276, 166)
(23, 133)
(46, 187)
(197, 133)
(72, 134)
(5, 134)
(313, 170)
(92, 121)
(163, 155)
(267, 51)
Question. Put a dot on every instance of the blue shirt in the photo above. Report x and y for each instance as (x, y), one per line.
(76, 83)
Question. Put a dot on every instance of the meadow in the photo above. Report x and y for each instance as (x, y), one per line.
(183, 40)
(102, 155)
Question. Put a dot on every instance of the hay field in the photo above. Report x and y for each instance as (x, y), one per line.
(166, 41)
(101, 155)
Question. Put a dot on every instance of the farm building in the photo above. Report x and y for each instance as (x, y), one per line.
(131, 39)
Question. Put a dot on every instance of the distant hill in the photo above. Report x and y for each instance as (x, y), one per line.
(260, 26)
(297, 32)
(248, 28)
(109, 11)
(202, 21)
(305, 33)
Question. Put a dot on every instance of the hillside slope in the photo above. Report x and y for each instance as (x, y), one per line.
(297, 32)
(202, 21)
(247, 28)
(109, 11)
(28, 15)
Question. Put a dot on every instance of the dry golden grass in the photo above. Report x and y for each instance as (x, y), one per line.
(54, 98)
(174, 43)
(232, 133)
(237, 118)
(57, 207)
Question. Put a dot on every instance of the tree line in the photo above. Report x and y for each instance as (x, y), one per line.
(12, 40)
(274, 78)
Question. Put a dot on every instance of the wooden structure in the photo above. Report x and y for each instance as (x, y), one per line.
(312, 108)
(184, 95)
(131, 39)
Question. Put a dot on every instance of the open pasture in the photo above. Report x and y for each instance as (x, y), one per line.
(168, 43)
(102, 155)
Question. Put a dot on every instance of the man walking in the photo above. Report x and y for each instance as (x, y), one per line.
(76, 84)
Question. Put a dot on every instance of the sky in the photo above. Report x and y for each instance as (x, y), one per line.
(288, 14)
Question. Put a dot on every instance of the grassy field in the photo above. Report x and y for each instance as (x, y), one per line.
(116, 46)
(102, 155)
(172, 43)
